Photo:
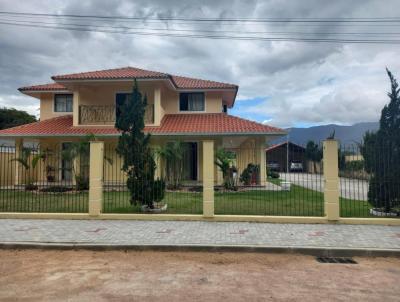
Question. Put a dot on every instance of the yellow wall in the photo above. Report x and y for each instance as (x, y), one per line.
(170, 102)
(47, 107)
(7, 169)
(104, 94)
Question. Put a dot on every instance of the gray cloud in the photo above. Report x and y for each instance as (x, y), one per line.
(302, 83)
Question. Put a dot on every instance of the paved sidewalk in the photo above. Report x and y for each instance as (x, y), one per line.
(131, 233)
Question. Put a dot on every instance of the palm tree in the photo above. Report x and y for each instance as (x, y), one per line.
(81, 150)
(225, 160)
(29, 160)
(173, 153)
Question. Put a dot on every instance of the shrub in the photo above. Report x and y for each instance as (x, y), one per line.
(273, 174)
(149, 191)
(31, 187)
(248, 173)
(56, 189)
(356, 165)
(82, 183)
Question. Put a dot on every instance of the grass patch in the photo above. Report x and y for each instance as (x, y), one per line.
(298, 202)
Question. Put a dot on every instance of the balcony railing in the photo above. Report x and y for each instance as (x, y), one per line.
(95, 115)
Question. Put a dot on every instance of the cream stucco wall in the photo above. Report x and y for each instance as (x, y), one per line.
(47, 107)
(104, 93)
(170, 102)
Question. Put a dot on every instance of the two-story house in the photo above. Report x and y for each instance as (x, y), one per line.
(179, 108)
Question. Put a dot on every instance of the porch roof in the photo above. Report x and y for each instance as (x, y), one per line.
(172, 124)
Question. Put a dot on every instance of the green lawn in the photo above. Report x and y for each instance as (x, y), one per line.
(298, 202)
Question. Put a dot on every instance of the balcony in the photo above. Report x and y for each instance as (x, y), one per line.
(105, 115)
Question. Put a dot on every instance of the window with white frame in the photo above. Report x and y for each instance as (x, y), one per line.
(191, 101)
(63, 102)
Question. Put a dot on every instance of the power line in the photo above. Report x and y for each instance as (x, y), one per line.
(206, 31)
(158, 21)
(251, 20)
(240, 38)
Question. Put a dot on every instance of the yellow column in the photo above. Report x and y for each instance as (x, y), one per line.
(96, 178)
(331, 174)
(19, 143)
(157, 107)
(208, 178)
(75, 108)
(263, 165)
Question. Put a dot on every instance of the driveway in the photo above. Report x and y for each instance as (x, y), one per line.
(354, 189)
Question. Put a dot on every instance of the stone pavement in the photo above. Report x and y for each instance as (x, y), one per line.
(134, 233)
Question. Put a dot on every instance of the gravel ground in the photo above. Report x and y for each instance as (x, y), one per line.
(49, 275)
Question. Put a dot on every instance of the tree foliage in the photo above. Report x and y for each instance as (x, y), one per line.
(173, 154)
(381, 152)
(225, 160)
(10, 117)
(134, 148)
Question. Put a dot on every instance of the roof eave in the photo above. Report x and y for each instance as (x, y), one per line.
(152, 134)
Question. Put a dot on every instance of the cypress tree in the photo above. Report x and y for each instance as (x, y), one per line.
(381, 152)
(134, 148)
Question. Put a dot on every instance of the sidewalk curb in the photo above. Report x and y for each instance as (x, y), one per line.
(312, 251)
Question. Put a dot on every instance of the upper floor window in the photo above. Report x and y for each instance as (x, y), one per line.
(63, 102)
(191, 101)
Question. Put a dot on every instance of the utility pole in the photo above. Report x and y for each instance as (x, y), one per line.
(287, 153)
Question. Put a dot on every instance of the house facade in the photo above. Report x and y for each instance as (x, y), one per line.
(179, 108)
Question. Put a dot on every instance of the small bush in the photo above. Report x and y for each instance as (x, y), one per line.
(273, 174)
(247, 174)
(158, 190)
(31, 187)
(196, 189)
(355, 165)
(82, 183)
(56, 189)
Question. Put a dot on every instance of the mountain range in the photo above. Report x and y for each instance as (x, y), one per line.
(345, 134)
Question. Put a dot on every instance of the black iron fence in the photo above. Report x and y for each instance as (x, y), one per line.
(290, 183)
(283, 180)
(38, 179)
(369, 181)
(177, 175)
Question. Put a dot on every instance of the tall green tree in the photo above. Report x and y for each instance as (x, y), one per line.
(10, 117)
(134, 148)
(381, 152)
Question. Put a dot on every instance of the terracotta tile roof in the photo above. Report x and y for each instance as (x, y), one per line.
(117, 73)
(211, 123)
(44, 87)
(191, 83)
(136, 73)
(178, 124)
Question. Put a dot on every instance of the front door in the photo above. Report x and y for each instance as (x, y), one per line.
(190, 161)
(66, 165)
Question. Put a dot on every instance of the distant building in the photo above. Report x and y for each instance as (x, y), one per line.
(281, 156)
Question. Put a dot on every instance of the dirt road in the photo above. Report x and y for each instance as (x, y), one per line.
(36, 275)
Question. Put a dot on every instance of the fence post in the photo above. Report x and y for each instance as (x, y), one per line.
(331, 174)
(208, 178)
(96, 178)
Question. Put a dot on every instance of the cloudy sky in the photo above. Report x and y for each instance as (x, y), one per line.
(281, 83)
